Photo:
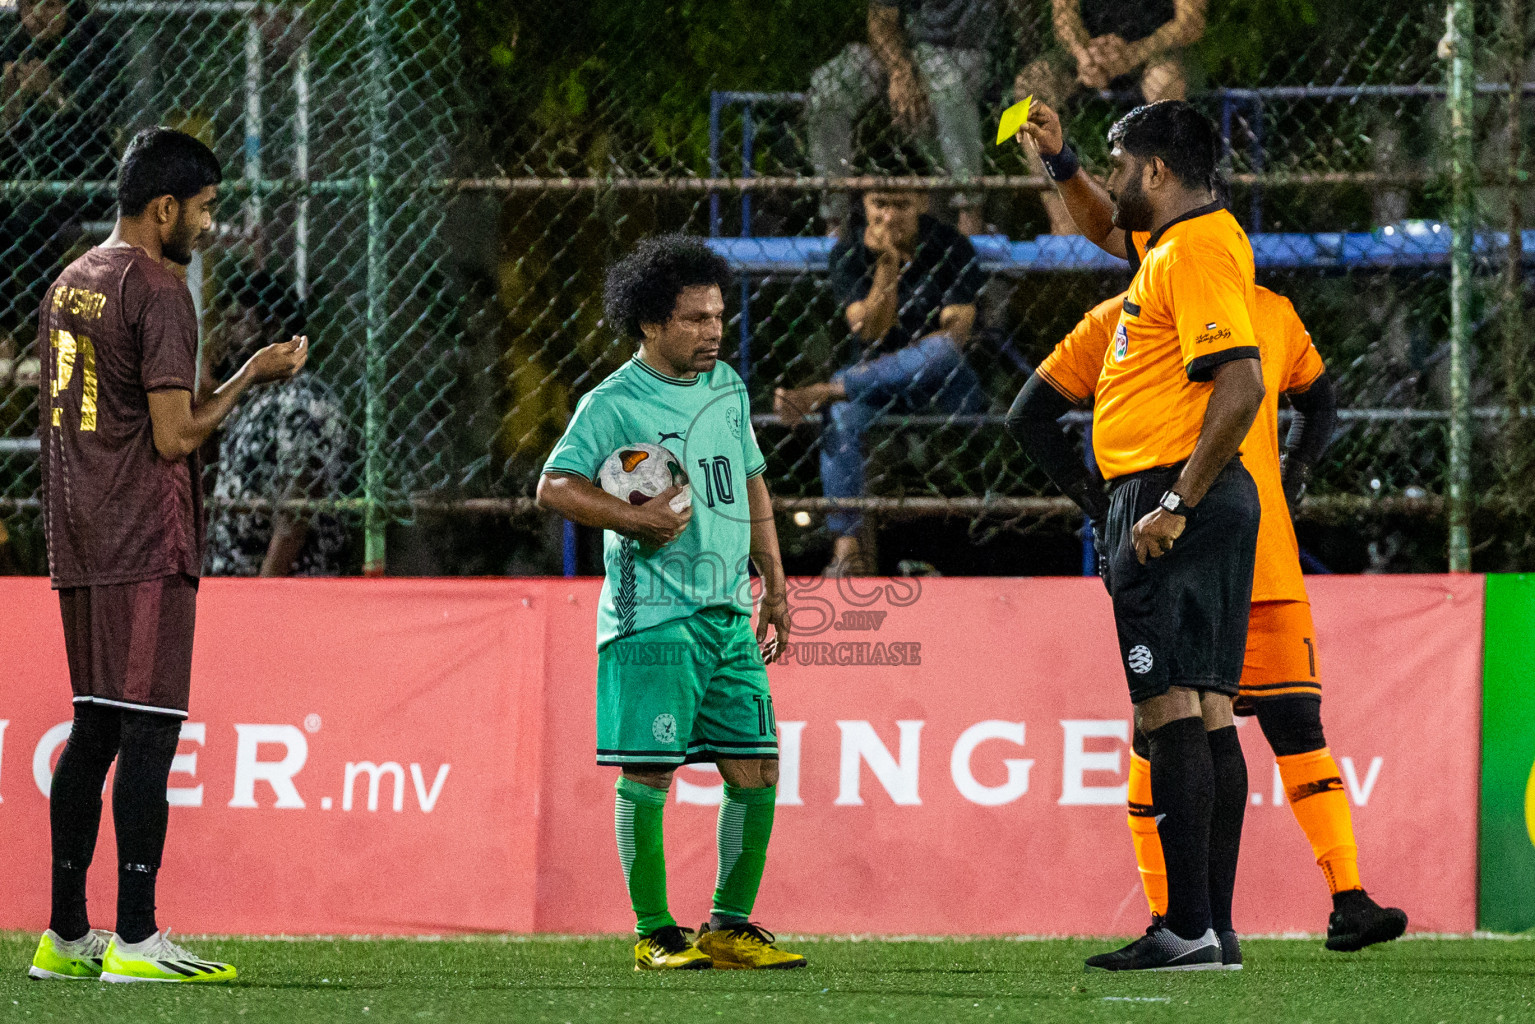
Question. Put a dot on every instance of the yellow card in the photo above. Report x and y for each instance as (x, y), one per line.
(1012, 120)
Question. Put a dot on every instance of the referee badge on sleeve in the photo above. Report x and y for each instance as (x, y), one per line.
(1121, 342)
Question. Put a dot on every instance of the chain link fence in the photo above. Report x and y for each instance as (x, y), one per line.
(336, 124)
(436, 188)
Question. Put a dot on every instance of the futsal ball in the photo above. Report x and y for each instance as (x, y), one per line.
(638, 472)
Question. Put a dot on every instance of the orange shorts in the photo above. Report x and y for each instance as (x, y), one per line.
(1281, 659)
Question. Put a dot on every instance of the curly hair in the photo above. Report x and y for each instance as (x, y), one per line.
(642, 288)
(1185, 140)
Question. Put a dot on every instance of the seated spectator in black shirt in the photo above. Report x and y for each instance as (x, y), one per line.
(909, 283)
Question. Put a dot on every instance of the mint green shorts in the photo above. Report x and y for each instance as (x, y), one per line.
(692, 689)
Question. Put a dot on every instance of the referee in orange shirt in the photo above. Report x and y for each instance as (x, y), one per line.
(1178, 391)
(1281, 679)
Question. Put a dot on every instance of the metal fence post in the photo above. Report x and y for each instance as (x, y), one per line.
(1462, 94)
(253, 49)
(1519, 453)
(1513, 284)
(373, 355)
(301, 74)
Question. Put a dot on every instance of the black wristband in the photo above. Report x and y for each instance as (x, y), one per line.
(1064, 165)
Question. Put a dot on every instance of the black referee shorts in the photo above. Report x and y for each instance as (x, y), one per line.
(1182, 618)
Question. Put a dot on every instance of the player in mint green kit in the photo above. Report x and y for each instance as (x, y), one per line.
(681, 676)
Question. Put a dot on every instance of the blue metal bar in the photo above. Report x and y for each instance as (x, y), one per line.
(1272, 92)
(1252, 107)
(570, 548)
(1350, 92)
(1084, 419)
(1412, 244)
(729, 97)
(1255, 156)
(1226, 107)
(744, 350)
(744, 347)
(716, 104)
(748, 137)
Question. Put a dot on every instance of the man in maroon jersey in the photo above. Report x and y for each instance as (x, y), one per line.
(122, 508)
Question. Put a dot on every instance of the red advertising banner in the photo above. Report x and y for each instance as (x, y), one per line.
(357, 758)
(417, 756)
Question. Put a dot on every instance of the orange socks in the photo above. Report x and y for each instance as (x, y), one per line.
(1143, 835)
(1320, 804)
(1317, 798)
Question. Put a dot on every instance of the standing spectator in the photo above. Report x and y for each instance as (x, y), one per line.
(1111, 44)
(909, 282)
(933, 69)
(289, 441)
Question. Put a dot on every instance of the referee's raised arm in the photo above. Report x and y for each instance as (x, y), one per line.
(1090, 204)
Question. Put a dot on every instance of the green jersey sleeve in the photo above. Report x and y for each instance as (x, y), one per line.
(755, 463)
(590, 437)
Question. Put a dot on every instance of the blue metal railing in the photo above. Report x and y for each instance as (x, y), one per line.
(1409, 245)
(718, 102)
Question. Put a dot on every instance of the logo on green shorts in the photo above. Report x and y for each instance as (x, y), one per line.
(664, 728)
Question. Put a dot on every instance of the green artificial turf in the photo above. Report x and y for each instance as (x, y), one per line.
(913, 982)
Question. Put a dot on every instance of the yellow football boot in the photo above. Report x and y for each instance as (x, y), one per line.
(158, 959)
(668, 949)
(62, 960)
(746, 947)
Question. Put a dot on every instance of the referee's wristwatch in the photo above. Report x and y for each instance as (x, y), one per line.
(1173, 502)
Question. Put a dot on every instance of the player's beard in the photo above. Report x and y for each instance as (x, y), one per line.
(1132, 210)
(184, 238)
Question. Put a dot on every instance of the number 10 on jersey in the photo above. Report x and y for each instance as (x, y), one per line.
(716, 477)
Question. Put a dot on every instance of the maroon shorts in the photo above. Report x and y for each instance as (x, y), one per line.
(130, 644)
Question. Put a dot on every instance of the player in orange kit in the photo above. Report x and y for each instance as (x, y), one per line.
(1280, 676)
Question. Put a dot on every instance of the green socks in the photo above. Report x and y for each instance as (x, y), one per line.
(637, 824)
(746, 822)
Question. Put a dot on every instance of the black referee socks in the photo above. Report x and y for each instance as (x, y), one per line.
(1183, 789)
(1226, 813)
